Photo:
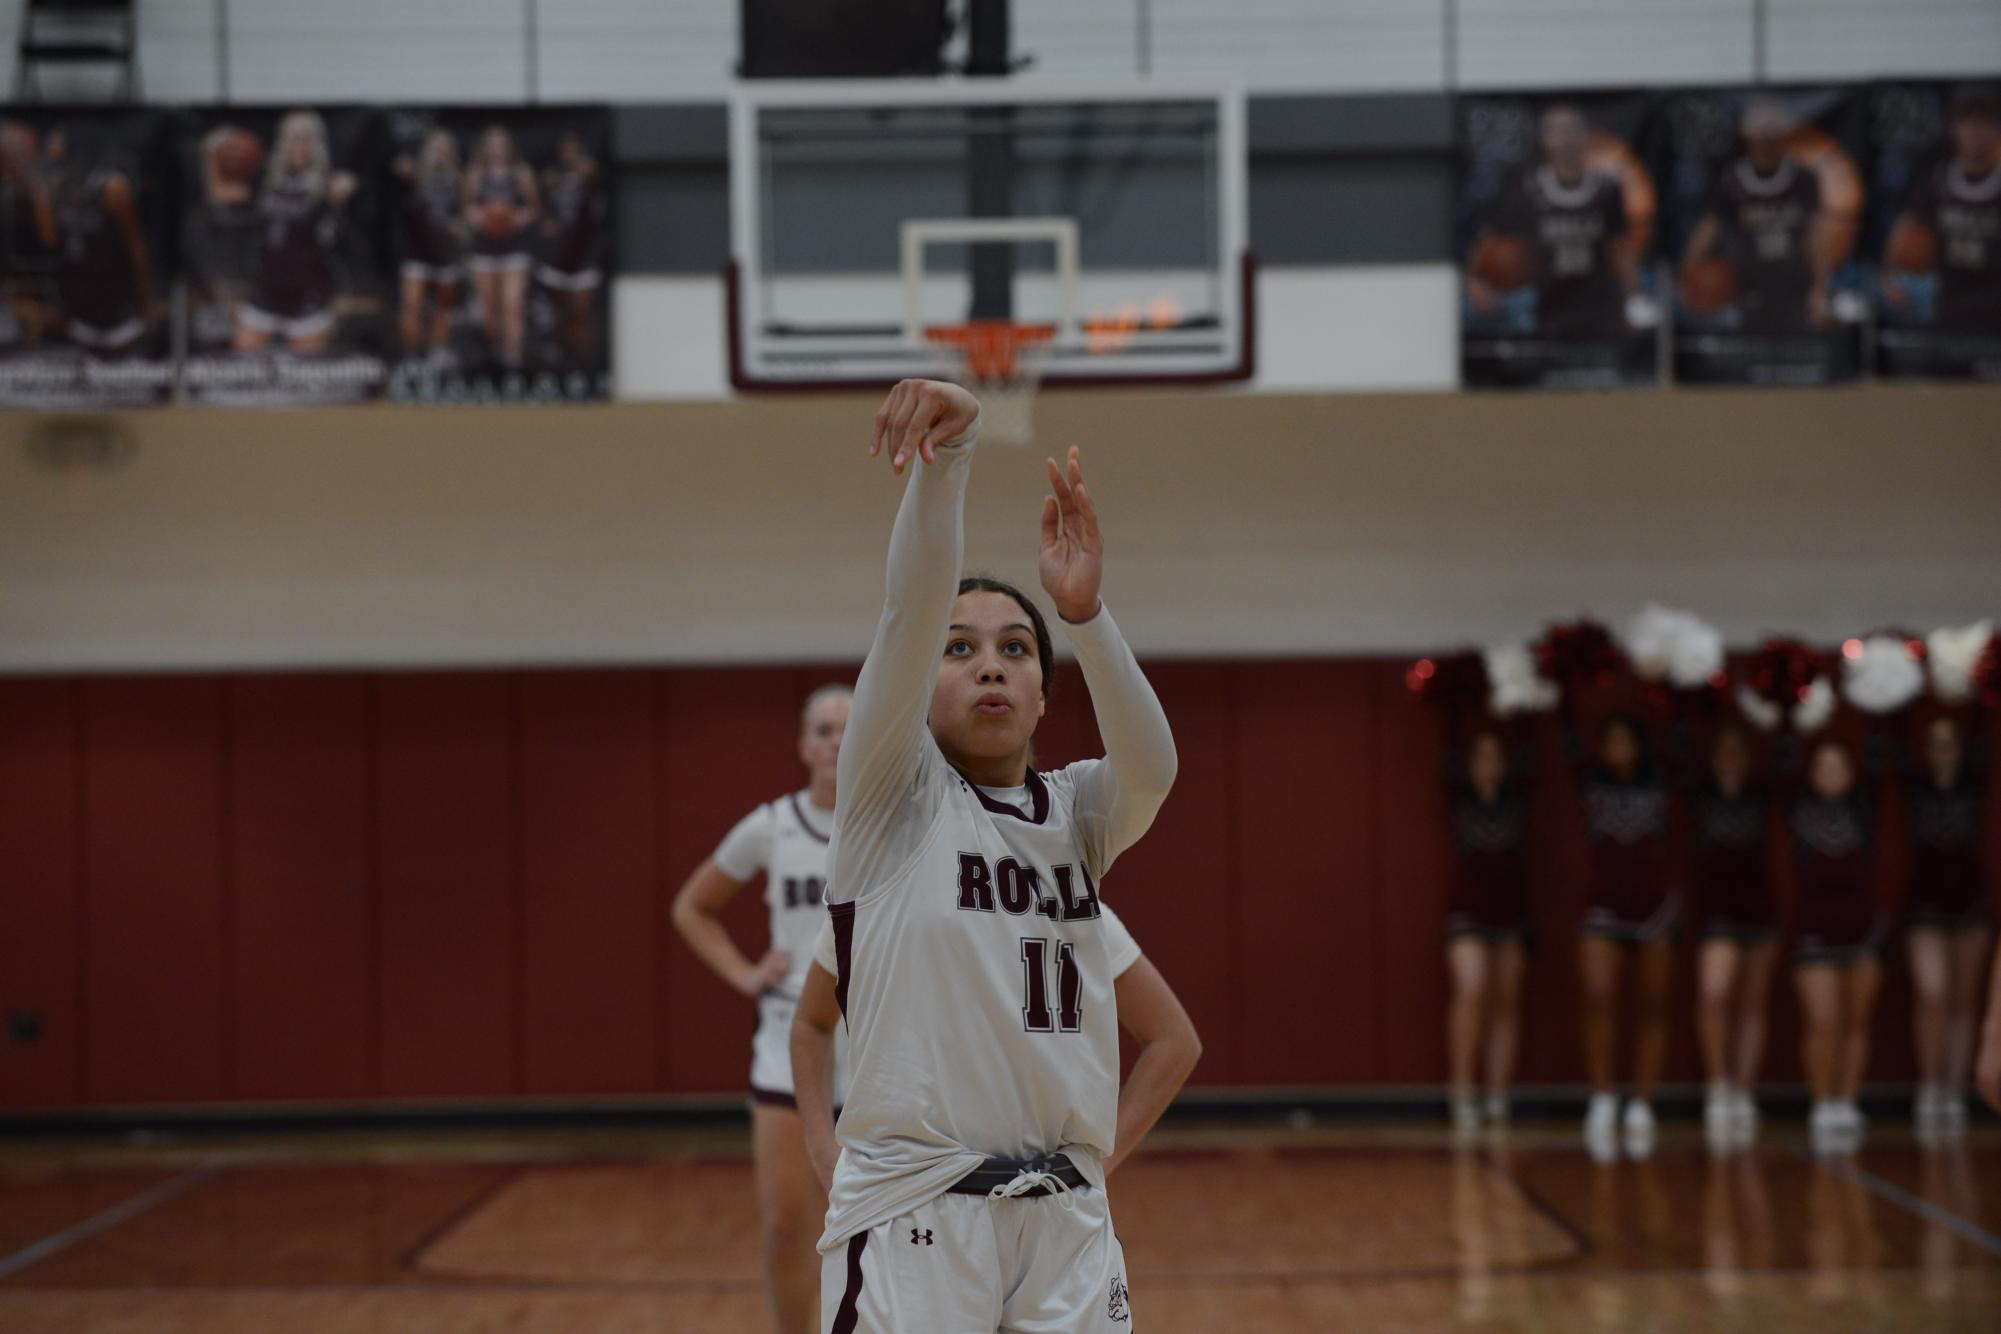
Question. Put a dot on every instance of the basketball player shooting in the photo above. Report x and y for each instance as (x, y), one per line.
(974, 966)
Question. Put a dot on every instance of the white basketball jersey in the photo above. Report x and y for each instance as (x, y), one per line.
(787, 840)
(977, 986)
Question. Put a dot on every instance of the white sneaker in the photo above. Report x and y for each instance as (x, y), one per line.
(1744, 1114)
(1952, 1112)
(1601, 1117)
(1926, 1107)
(1848, 1116)
(1496, 1109)
(1829, 1130)
(1719, 1112)
(1639, 1128)
(1465, 1116)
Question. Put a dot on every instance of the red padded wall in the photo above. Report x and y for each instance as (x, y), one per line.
(1306, 910)
(347, 886)
(588, 912)
(447, 818)
(298, 855)
(155, 909)
(41, 946)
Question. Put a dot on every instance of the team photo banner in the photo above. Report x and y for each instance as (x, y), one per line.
(87, 271)
(286, 294)
(1557, 210)
(499, 241)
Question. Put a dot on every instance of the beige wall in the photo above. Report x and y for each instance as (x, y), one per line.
(1239, 524)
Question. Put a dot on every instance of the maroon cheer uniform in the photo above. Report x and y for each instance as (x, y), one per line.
(1490, 897)
(1834, 853)
(1730, 863)
(1632, 895)
(1948, 880)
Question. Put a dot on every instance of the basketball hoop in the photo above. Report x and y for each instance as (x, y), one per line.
(1002, 363)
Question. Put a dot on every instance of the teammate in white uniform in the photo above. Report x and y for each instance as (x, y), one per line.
(973, 962)
(786, 840)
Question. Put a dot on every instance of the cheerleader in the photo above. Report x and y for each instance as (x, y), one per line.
(434, 243)
(1486, 927)
(1837, 962)
(501, 203)
(1949, 925)
(571, 238)
(1731, 816)
(1631, 917)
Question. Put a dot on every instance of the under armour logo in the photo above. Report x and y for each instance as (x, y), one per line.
(1116, 1308)
(921, 1237)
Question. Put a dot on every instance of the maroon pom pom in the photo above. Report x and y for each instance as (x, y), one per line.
(1783, 669)
(1986, 675)
(1578, 655)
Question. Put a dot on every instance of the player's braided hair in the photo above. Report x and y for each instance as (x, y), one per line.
(1045, 651)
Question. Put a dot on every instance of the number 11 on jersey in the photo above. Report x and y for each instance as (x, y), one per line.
(1035, 1015)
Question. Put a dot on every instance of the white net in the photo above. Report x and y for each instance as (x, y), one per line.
(1007, 406)
(1002, 364)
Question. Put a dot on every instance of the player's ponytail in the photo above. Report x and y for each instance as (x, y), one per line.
(1045, 650)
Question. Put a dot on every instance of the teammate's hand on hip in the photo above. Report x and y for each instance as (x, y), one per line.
(1073, 550)
(765, 973)
(917, 417)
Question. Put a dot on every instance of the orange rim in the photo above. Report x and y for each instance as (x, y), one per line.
(992, 348)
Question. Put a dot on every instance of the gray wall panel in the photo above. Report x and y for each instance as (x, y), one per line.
(660, 133)
(1385, 123)
(1383, 210)
(673, 219)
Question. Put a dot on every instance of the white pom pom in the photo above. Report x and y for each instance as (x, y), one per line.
(1515, 685)
(1950, 654)
(1816, 706)
(1674, 646)
(1883, 677)
(1758, 710)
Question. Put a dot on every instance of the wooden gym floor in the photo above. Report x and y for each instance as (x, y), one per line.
(1228, 1227)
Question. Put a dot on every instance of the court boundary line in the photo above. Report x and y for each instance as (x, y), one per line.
(1964, 1228)
(412, 1261)
(1586, 1246)
(105, 1219)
